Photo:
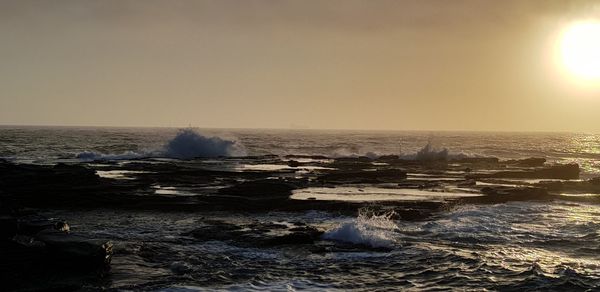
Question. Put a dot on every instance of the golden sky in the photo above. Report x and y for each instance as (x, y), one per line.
(350, 64)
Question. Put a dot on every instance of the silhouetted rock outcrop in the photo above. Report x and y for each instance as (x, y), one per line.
(33, 247)
(364, 176)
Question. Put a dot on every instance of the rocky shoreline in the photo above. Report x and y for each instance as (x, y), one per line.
(35, 246)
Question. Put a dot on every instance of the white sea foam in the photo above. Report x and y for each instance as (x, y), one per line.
(367, 229)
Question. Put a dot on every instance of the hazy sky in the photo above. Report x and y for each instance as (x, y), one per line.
(372, 64)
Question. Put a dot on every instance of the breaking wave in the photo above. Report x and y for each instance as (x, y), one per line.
(368, 229)
(187, 144)
(429, 152)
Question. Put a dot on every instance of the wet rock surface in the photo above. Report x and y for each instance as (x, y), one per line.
(37, 251)
(195, 185)
(269, 182)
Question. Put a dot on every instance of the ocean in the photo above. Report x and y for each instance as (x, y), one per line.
(524, 245)
(63, 144)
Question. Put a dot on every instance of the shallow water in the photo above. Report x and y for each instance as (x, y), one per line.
(505, 246)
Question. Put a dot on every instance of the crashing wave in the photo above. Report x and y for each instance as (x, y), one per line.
(187, 144)
(429, 153)
(376, 231)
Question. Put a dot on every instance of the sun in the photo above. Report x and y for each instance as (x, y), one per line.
(580, 50)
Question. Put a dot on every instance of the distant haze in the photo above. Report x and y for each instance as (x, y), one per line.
(394, 65)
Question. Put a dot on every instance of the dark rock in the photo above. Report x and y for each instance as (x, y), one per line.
(553, 186)
(289, 239)
(260, 188)
(467, 183)
(50, 259)
(219, 230)
(293, 163)
(411, 214)
(315, 157)
(298, 235)
(375, 175)
(361, 159)
(33, 224)
(475, 160)
(28, 241)
(384, 158)
(266, 227)
(76, 251)
(8, 226)
(502, 194)
(591, 186)
(256, 234)
(181, 268)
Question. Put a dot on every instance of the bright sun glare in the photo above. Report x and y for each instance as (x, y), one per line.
(580, 50)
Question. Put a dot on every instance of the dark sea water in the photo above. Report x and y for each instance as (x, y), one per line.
(515, 246)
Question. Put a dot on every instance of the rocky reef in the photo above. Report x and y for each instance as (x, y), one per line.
(413, 189)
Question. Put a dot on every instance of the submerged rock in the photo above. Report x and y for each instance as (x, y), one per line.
(218, 230)
(181, 268)
(297, 237)
(257, 234)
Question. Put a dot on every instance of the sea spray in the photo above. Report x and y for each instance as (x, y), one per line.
(187, 144)
(368, 229)
(429, 152)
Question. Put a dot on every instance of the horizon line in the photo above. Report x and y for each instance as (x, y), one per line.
(298, 129)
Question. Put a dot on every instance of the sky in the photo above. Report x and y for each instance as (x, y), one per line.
(319, 64)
